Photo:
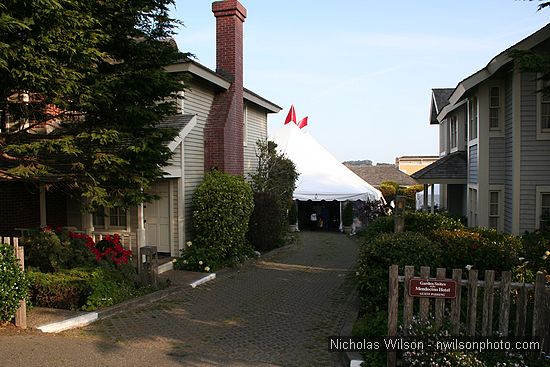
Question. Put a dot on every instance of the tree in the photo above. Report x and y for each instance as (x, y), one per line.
(82, 91)
(276, 173)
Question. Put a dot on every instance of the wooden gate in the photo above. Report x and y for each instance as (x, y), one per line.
(21, 314)
(538, 292)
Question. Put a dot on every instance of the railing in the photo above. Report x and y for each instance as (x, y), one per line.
(21, 313)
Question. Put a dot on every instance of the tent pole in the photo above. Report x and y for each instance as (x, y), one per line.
(341, 225)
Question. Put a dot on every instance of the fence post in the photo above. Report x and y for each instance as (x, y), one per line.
(424, 302)
(21, 313)
(455, 303)
(504, 314)
(521, 311)
(472, 302)
(440, 303)
(488, 302)
(407, 300)
(393, 304)
(538, 308)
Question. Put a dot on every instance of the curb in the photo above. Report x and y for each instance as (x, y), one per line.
(88, 318)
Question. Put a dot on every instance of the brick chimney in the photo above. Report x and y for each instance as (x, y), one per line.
(223, 134)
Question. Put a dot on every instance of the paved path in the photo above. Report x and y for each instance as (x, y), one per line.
(275, 312)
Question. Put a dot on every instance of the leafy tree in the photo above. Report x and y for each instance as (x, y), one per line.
(82, 91)
(276, 173)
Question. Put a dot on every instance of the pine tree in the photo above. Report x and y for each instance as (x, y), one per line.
(82, 91)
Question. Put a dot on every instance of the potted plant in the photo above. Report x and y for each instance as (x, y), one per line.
(347, 217)
(292, 217)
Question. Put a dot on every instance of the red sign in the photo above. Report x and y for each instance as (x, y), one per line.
(432, 288)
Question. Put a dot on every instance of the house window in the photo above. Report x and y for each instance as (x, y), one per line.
(494, 108)
(453, 126)
(545, 106)
(112, 217)
(473, 118)
(472, 211)
(494, 209)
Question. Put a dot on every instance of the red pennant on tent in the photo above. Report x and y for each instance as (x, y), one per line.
(291, 115)
(302, 123)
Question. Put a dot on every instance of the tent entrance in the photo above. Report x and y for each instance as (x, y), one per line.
(327, 212)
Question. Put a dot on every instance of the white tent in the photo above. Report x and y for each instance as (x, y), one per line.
(322, 177)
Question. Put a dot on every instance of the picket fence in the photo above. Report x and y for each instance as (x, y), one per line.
(539, 319)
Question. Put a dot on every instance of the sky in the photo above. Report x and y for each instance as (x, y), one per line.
(363, 70)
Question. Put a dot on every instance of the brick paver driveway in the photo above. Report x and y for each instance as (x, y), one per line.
(276, 311)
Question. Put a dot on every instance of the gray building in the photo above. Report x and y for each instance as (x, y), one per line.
(494, 144)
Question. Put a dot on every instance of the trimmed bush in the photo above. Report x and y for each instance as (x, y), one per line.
(222, 206)
(13, 283)
(267, 223)
(377, 254)
(372, 327)
(484, 249)
(536, 250)
(81, 288)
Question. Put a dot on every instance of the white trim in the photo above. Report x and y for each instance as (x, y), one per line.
(173, 251)
(245, 125)
(538, 210)
(183, 133)
(200, 71)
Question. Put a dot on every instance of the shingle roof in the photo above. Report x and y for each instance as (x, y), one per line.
(440, 99)
(375, 175)
(450, 167)
(177, 122)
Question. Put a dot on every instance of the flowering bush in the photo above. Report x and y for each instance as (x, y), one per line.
(109, 249)
(13, 283)
(196, 259)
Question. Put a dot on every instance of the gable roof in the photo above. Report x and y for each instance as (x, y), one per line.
(440, 98)
(492, 67)
(198, 70)
(451, 168)
(375, 175)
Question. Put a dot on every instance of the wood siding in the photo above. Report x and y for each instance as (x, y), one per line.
(508, 156)
(472, 164)
(497, 164)
(198, 101)
(256, 129)
(535, 166)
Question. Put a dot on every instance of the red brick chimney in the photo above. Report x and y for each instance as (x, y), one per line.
(223, 134)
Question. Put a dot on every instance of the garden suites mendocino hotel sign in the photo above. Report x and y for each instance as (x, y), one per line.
(432, 288)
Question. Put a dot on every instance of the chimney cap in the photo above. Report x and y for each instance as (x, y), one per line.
(227, 8)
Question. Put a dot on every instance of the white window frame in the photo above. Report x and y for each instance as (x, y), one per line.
(540, 190)
(500, 212)
(453, 133)
(473, 118)
(473, 220)
(497, 131)
(107, 220)
(542, 133)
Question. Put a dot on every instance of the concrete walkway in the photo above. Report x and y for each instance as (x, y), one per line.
(277, 311)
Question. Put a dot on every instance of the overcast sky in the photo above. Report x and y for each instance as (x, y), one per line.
(363, 70)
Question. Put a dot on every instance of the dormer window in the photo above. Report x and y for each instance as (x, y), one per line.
(453, 127)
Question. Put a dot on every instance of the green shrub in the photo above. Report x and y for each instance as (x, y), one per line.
(483, 249)
(372, 326)
(51, 251)
(377, 254)
(267, 223)
(536, 250)
(195, 258)
(13, 283)
(389, 190)
(377, 226)
(81, 288)
(427, 223)
(222, 205)
(57, 290)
